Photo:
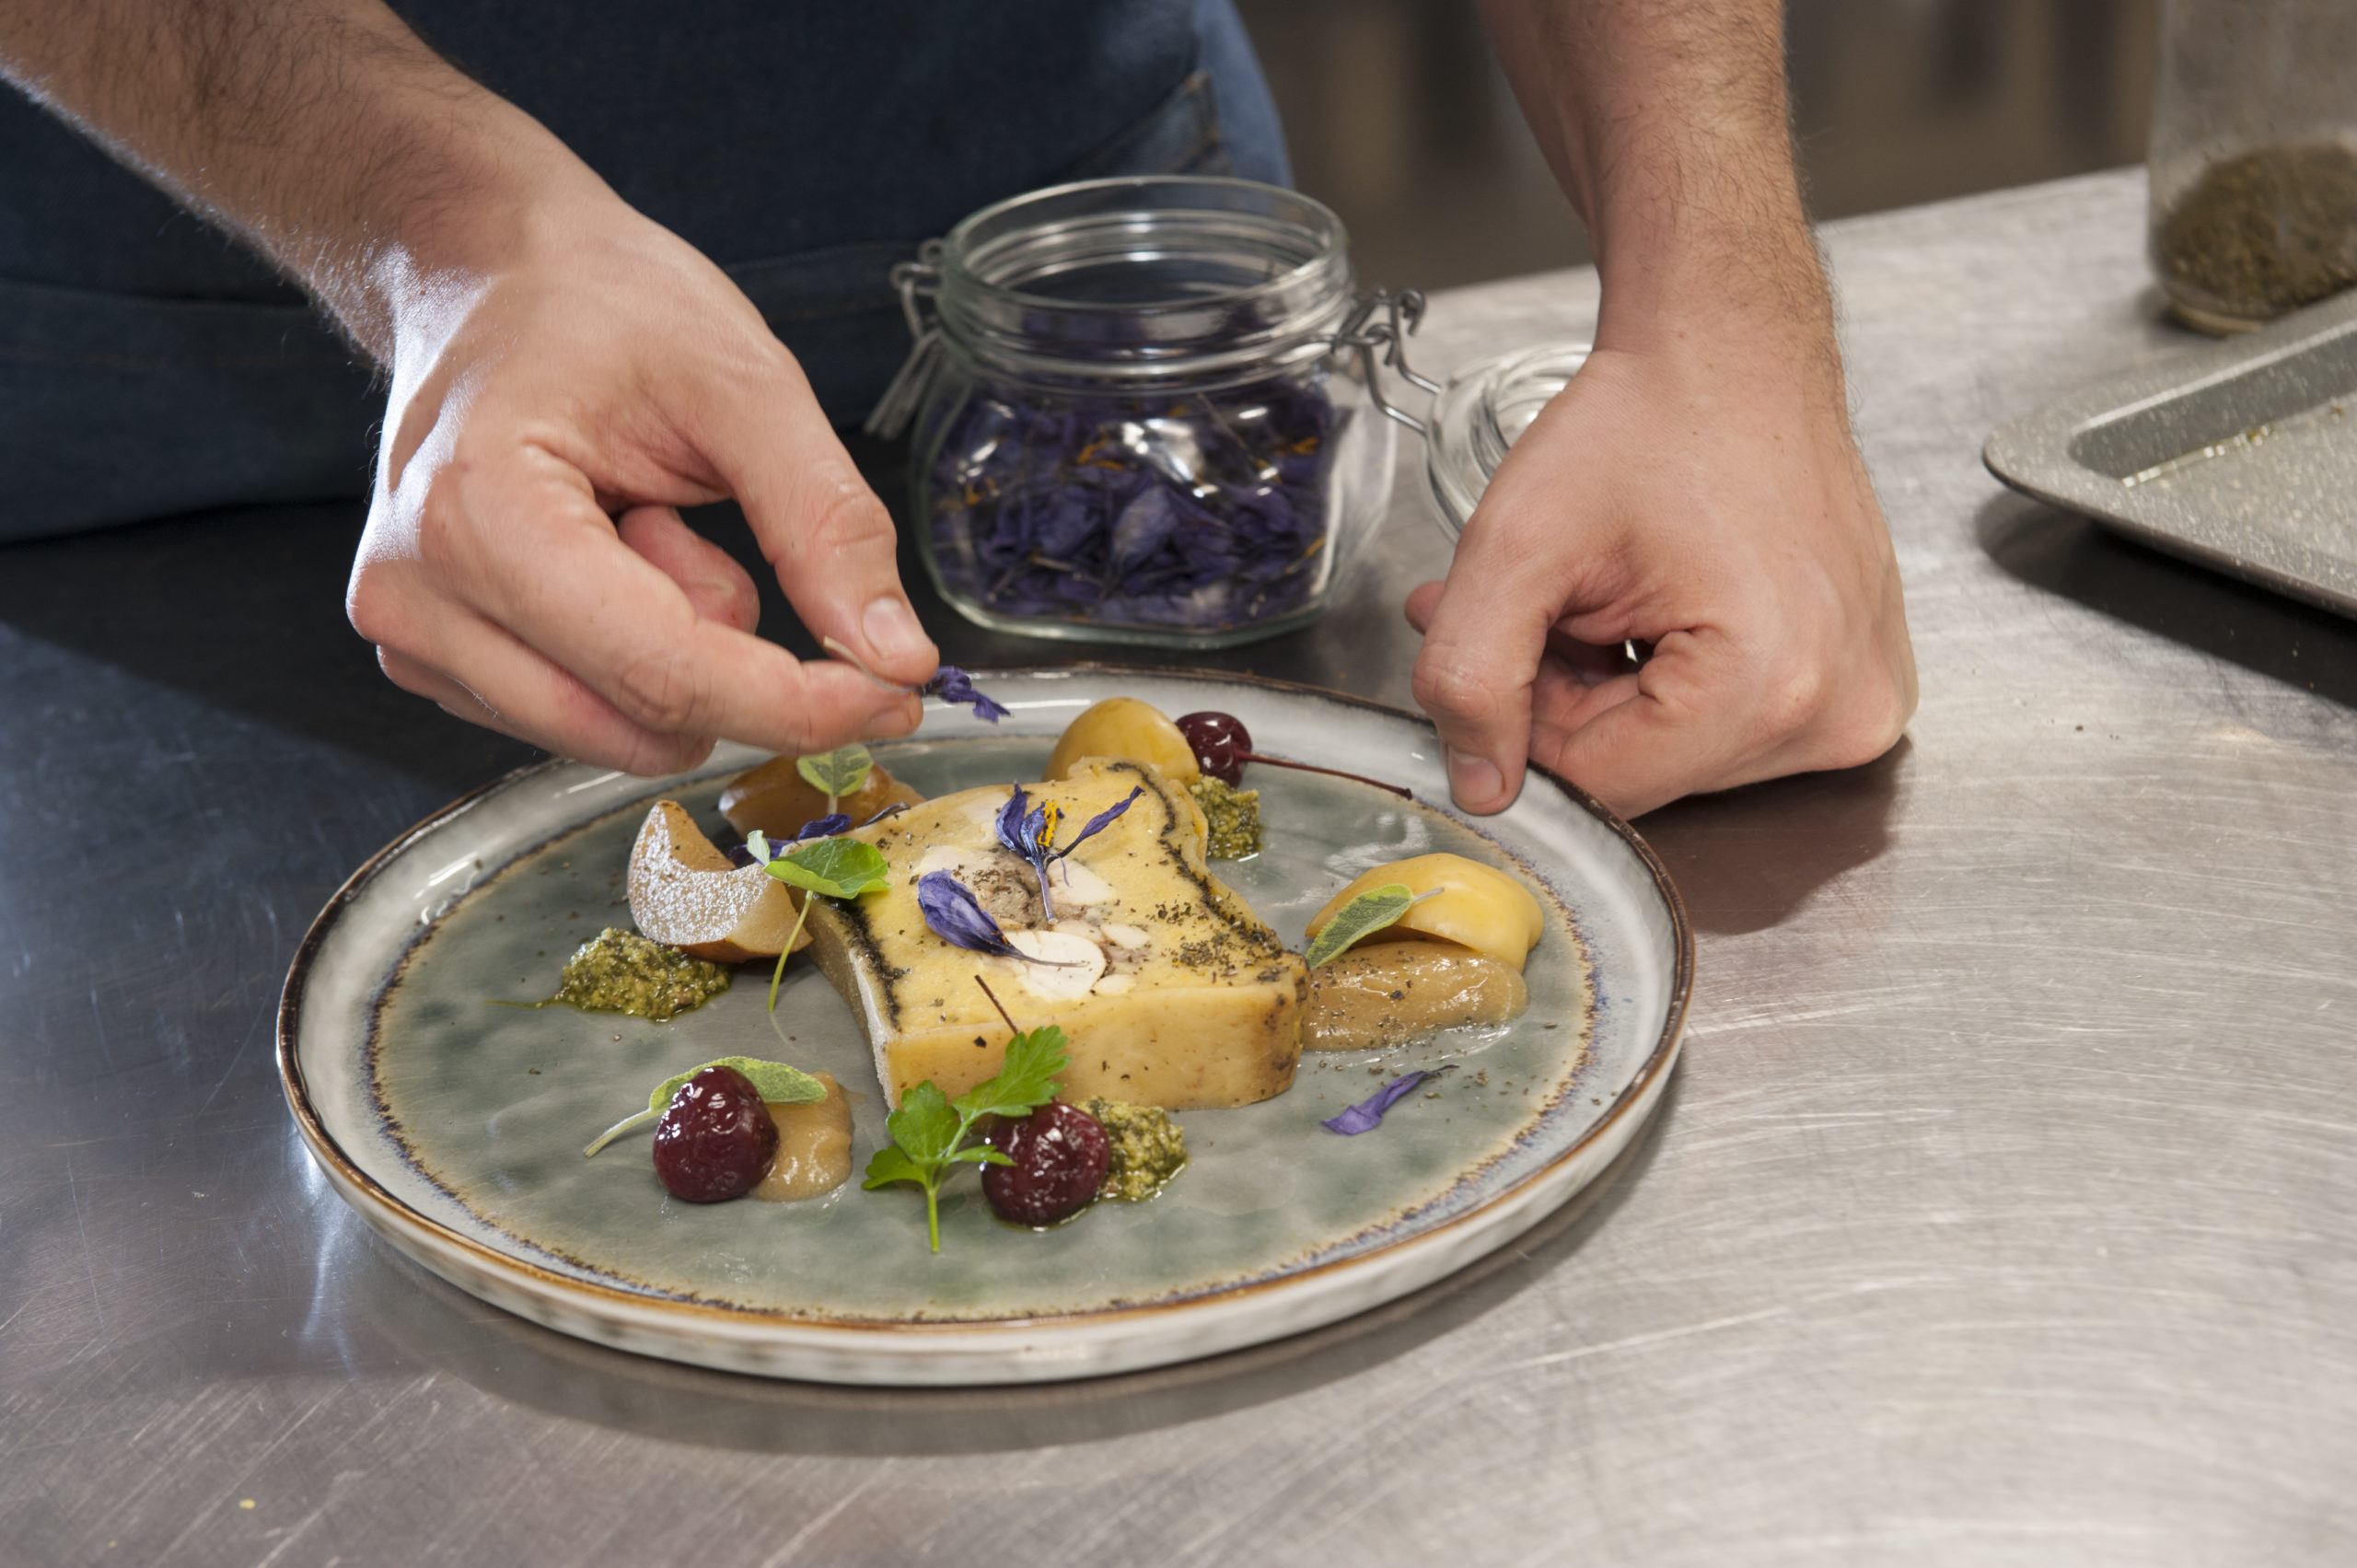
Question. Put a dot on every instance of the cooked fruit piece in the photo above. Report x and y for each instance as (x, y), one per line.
(1060, 1156)
(1199, 1003)
(1131, 730)
(780, 802)
(813, 1146)
(1478, 907)
(685, 894)
(716, 1138)
(1397, 992)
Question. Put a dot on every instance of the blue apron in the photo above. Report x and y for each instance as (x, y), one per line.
(150, 366)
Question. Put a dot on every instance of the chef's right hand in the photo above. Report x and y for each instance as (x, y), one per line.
(556, 396)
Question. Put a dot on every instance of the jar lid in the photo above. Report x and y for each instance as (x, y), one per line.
(1481, 411)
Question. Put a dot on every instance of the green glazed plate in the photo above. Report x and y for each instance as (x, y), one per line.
(456, 1127)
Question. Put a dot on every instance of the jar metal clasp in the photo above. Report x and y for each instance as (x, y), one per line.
(1384, 319)
(916, 282)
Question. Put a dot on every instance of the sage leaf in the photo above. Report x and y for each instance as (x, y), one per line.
(1363, 916)
(776, 1083)
(836, 773)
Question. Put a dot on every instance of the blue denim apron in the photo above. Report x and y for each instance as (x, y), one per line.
(149, 366)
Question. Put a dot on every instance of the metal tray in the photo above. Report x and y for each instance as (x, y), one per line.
(2242, 455)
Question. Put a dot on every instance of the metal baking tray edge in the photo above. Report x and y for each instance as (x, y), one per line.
(2040, 455)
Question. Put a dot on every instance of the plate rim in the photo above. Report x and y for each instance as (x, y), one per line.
(1637, 1099)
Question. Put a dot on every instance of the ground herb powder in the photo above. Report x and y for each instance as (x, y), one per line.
(2264, 232)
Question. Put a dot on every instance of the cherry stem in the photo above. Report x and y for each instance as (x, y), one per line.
(1335, 773)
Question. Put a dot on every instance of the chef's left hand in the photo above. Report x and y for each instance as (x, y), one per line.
(1695, 490)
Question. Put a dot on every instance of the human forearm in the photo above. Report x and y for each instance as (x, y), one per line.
(324, 131)
(1666, 123)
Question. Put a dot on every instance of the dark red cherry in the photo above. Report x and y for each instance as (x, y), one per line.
(1221, 745)
(1060, 1155)
(715, 1140)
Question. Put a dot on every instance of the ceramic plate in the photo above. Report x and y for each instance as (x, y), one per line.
(456, 1127)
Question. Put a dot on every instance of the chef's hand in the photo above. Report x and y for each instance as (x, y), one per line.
(1695, 488)
(565, 375)
(525, 565)
(1701, 494)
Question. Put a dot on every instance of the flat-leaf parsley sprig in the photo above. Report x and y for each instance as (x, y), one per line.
(930, 1131)
(835, 868)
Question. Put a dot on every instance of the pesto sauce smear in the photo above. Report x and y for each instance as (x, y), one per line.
(621, 971)
(1147, 1148)
(1234, 815)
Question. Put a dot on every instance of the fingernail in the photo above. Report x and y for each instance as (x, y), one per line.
(1475, 781)
(891, 629)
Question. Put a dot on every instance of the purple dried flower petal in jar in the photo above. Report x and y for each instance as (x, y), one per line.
(1144, 411)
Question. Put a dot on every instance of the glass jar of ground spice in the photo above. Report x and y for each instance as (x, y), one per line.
(1144, 410)
(2254, 158)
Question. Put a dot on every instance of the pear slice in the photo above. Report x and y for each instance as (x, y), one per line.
(685, 894)
(775, 797)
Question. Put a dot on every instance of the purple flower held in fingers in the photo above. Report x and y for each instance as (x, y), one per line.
(952, 684)
(1367, 1115)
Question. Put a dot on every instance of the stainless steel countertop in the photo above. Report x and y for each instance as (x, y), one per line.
(2004, 1209)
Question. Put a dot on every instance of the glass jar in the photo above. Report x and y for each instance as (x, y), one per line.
(2254, 158)
(1481, 411)
(1144, 410)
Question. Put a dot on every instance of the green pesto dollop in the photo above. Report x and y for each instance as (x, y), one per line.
(1234, 815)
(621, 971)
(1148, 1148)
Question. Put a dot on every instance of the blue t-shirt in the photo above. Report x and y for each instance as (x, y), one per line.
(149, 363)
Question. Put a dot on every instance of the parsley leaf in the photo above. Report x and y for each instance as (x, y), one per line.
(929, 1129)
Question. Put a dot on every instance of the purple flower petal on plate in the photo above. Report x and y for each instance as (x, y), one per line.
(1367, 1115)
(1100, 822)
(823, 826)
(958, 918)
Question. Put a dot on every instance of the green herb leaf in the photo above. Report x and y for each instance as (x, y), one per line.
(890, 1165)
(836, 773)
(1363, 916)
(1025, 1080)
(774, 1081)
(926, 1125)
(840, 868)
(930, 1131)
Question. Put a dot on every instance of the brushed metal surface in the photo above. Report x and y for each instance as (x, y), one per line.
(2242, 455)
(2004, 1210)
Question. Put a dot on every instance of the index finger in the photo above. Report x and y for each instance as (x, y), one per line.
(534, 552)
(829, 539)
